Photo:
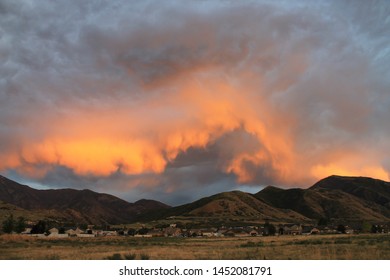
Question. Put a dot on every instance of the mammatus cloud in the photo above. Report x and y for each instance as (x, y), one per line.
(164, 98)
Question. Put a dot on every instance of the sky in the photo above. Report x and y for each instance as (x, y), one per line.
(176, 100)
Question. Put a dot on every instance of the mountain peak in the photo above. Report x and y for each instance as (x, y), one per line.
(270, 188)
(339, 182)
(151, 202)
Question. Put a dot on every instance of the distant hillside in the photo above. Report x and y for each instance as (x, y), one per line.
(6, 209)
(368, 189)
(235, 205)
(335, 198)
(81, 206)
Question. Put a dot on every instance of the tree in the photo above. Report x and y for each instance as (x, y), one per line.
(20, 225)
(9, 224)
(272, 229)
(341, 229)
(131, 232)
(83, 226)
(143, 231)
(39, 228)
(269, 229)
(365, 227)
(376, 229)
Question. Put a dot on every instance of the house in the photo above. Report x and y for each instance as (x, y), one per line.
(236, 232)
(53, 231)
(85, 235)
(142, 235)
(172, 232)
(327, 230)
(40, 235)
(110, 233)
(58, 235)
(349, 230)
(253, 232)
(156, 233)
(209, 232)
(385, 228)
(220, 232)
(71, 232)
(292, 229)
(315, 231)
(229, 233)
(74, 232)
(308, 230)
(191, 233)
(98, 232)
(26, 231)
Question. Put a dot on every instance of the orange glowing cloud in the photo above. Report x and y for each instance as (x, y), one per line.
(146, 137)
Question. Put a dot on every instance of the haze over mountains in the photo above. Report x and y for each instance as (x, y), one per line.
(333, 198)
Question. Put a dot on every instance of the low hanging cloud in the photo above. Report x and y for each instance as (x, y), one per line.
(169, 98)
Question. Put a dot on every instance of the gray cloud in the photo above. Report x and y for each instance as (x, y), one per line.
(303, 90)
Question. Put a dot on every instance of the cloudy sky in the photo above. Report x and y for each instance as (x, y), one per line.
(175, 100)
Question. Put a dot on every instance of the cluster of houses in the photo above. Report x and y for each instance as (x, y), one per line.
(285, 229)
(77, 232)
(174, 231)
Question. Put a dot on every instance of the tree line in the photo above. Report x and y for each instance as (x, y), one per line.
(14, 225)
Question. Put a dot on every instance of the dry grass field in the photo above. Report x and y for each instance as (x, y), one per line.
(322, 247)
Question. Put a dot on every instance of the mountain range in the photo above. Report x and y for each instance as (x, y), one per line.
(336, 198)
(70, 205)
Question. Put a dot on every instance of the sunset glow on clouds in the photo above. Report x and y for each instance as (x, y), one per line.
(174, 100)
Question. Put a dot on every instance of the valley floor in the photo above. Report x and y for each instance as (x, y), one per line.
(316, 247)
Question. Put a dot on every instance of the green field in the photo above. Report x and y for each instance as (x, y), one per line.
(321, 247)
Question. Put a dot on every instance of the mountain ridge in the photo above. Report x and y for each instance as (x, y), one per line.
(327, 199)
(337, 198)
(82, 206)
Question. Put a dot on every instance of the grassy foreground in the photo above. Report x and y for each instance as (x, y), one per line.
(329, 247)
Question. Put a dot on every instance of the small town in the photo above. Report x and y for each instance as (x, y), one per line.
(174, 230)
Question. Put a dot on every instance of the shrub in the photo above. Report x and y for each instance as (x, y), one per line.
(115, 256)
(144, 257)
(343, 241)
(341, 229)
(20, 225)
(130, 256)
(316, 242)
(9, 224)
(252, 244)
(39, 228)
